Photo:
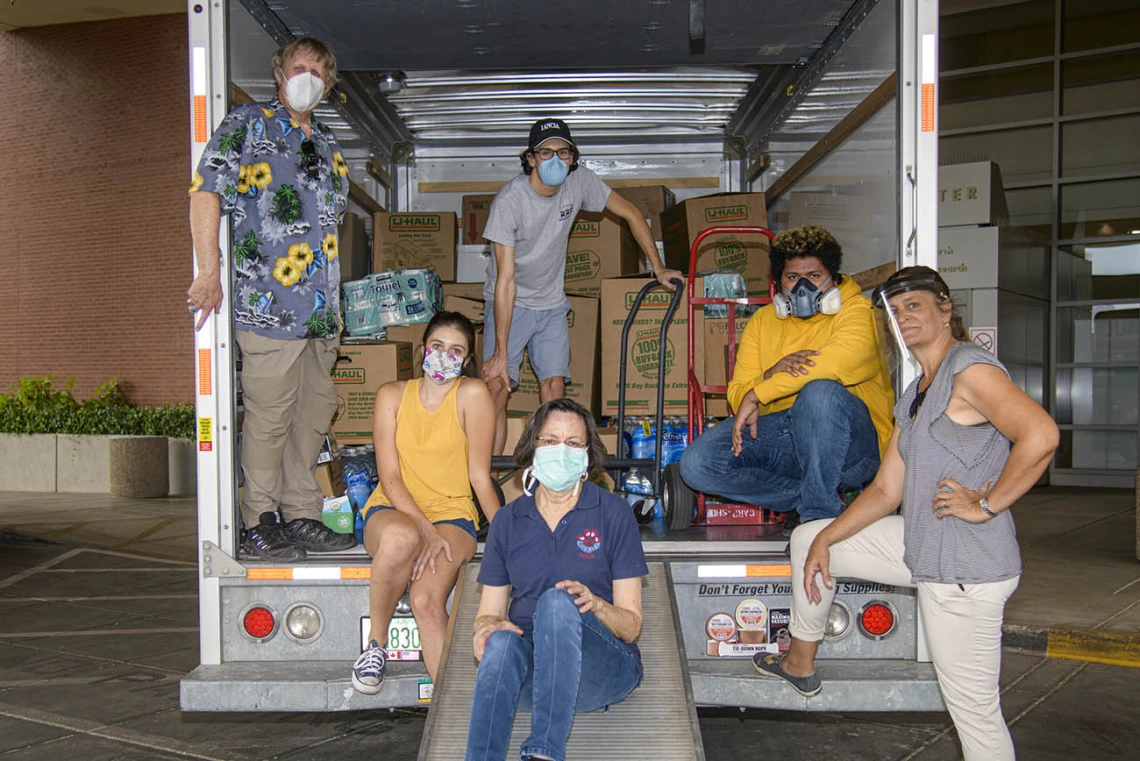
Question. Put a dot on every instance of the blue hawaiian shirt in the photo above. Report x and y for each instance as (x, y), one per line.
(285, 195)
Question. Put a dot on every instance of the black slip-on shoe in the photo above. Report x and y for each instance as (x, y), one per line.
(314, 536)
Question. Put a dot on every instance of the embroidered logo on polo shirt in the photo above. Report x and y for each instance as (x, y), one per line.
(589, 542)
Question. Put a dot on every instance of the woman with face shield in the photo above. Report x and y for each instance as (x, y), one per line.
(967, 444)
(561, 603)
(433, 447)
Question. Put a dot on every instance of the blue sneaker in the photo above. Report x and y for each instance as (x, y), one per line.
(368, 671)
(771, 665)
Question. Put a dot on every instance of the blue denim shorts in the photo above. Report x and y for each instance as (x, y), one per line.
(463, 523)
(543, 334)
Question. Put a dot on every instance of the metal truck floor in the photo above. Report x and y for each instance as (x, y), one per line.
(657, 722)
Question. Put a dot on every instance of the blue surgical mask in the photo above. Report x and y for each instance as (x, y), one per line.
(553, 171)
(442, 366)
(559, 467)
(805, 297)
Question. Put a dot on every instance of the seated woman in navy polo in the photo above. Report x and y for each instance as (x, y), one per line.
(567, 560)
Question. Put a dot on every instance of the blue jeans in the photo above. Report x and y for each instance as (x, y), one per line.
(800, 459)
(544, 672)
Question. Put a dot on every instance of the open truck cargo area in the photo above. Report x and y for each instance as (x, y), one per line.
(825, 107)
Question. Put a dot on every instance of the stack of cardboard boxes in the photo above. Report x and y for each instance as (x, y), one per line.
(604, 271)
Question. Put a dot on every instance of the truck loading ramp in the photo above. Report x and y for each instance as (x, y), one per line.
(657, 722)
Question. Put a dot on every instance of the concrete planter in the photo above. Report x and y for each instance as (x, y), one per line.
(138, 466)
(27, 462)
(124, 466)
(82, 464)
(183, 467)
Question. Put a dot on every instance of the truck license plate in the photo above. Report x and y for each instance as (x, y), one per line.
(403, 638)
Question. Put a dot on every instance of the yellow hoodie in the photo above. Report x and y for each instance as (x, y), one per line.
(849, 353)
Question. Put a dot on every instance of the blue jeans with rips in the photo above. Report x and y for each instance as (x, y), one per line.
(571, 663)
(800, 459)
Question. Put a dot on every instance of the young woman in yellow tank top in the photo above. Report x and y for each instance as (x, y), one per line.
(433, 439)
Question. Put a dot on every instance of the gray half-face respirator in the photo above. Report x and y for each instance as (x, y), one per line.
(805, 300)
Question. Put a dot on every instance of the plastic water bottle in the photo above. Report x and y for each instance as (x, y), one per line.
(356, 477)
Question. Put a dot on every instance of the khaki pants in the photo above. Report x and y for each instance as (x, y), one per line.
(289, 403)
(963, 627)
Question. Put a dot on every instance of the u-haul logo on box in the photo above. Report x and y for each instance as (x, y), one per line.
(652, 300)
(401, 223)
(726, 213)
(585, 228)
(348, 375)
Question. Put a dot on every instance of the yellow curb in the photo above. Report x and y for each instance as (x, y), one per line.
(1097, 646)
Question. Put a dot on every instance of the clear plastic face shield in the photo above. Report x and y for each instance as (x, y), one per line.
(884, 293)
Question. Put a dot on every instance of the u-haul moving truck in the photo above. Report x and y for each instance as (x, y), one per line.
(826, 106)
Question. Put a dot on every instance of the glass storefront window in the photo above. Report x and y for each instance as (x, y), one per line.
(1089, 24)
(1098, 209)
(994, 97)
(996, 35)
(1097, 450)
(1100, 83)
(1101, 146)
(1024, 155)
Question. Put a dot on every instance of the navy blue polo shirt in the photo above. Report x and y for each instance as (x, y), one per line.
(596, 542)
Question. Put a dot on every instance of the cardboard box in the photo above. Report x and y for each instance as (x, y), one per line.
(471, 263)
(600, 246)
(746, 254)
(359, 371)
(472, 309)
(464, 290)
(716, 369)
(652, 200)
(337, 515)
(583, 388)
(850, 219)
(352, 248)
(644, 339)
(476, 209)
(330, 477)
(419, 239)
(413, 334)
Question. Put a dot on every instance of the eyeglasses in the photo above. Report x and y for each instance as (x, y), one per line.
(546, 153)
(549, 441)
(310, 159)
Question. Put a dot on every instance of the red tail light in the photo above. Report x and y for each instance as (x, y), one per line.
(259, 622)
(877, 619)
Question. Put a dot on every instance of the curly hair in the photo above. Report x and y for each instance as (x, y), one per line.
(528, 442)
(806, 240)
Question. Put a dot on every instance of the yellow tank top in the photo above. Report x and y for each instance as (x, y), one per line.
(433, 457)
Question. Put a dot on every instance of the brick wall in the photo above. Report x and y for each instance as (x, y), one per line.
(95, 253)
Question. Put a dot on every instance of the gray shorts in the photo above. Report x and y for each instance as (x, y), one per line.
(544, 335)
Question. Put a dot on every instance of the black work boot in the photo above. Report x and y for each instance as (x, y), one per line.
(791, 520)
(267, 541)
(314, 536)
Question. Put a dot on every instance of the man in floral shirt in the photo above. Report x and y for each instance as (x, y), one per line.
(279, 175)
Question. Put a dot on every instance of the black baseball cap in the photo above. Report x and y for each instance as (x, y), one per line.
(548, 129)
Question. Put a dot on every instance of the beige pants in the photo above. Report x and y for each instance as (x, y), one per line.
(289, 403)
(963, 627)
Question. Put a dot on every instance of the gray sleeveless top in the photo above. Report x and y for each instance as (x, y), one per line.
(934, 447)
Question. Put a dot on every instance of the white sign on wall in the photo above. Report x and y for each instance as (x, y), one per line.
(968, 256)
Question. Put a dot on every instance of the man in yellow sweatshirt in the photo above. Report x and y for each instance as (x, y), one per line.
(812, 396)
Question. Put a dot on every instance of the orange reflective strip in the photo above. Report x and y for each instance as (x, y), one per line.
(205, 377)
(269, 574)
(356, 572)
(768, 570)
(201, 134)
(928, 108)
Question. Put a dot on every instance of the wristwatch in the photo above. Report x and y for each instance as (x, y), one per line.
(985, 505)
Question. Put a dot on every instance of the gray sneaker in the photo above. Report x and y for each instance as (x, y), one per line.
(771, 665)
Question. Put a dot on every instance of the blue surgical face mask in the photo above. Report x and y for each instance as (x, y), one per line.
(559, 467)
(553, 171)
(805, 297)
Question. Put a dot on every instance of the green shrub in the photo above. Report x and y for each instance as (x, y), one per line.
(34, 405)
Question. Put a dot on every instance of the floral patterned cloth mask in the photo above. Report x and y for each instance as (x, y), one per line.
(442, 366)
